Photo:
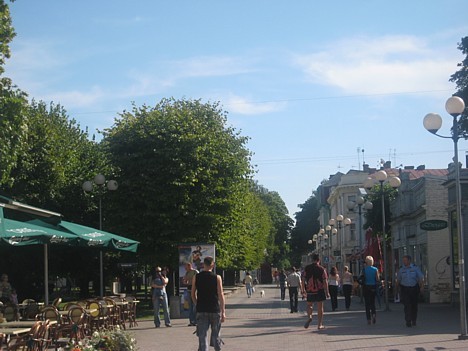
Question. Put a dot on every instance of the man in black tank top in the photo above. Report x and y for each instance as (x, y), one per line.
(207, 295)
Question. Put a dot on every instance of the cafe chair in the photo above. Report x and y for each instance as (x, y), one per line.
(37, 339)
(10, 313)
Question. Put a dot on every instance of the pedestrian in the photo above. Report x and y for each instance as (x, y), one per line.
(282, 283)
(333, 283)
(160, 298)
(315, 285)
(248, 284)
(294, 284)
(190, 272)
(410, 284)
(5, 289)
(275, 277)
(371, 278)
(347, 286)
(207, 295)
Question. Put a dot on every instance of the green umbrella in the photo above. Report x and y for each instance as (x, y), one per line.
(99, 238)
(16, 233)
(91, 237)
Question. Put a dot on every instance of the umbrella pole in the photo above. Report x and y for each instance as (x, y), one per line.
(46, 274)
(101, 273)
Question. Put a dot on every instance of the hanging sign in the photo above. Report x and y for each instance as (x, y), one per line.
(433, 224)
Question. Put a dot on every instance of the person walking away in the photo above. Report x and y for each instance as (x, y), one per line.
(207, 295)
(371, 278)
(160, 298)
(282, 283)
(347, 286)
(333, 283)
(187, 279)
(248, 284)
(410, 284)
(315, 287)
(294, 284)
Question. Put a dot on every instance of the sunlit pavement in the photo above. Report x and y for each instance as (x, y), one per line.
(266, 324)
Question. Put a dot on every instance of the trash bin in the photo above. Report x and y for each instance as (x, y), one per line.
(174, 306)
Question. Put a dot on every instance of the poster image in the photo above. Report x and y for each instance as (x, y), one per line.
(193, 254)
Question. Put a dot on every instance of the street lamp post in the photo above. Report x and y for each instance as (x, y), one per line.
(394, 182)
(340, 219)
(88, 186)
(360, 203)
(432, 122)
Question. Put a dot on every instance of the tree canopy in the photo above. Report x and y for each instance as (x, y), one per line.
(184, 177)
(461, 79)
(307, 224)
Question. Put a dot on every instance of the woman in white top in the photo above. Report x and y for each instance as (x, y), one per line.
(333, 283)
(347, 286)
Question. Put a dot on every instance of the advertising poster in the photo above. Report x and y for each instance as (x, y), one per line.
(193, 254)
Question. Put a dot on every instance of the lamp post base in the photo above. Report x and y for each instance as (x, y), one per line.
(463, 337)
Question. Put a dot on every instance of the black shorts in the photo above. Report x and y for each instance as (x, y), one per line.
(316, 296)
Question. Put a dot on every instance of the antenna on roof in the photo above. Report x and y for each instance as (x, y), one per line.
(359, 158)
(363, 161)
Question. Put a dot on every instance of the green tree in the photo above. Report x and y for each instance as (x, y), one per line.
(281, 227)
(307, 224)
(373, 218)
(13, 102)
(7, 33)
(181, 169)
(461, 79)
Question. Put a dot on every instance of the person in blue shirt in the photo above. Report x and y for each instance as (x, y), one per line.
(410, 284)
(371, 278)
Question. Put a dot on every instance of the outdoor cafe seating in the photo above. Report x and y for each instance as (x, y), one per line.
(61, 324)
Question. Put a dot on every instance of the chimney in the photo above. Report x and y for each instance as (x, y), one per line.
(365, 167)
(387, 164)
(421, 167)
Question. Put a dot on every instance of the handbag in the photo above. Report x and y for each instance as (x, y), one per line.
(362, 279)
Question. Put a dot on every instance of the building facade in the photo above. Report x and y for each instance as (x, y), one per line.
(423, 198)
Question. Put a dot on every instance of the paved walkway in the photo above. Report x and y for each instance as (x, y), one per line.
(266, 324)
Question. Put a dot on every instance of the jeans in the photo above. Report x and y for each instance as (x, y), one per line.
(333, 289)
(347, 289)
(293, 298)
(204, 321)
(248, 287)
(192, 310)
(369, 299)
(157, 302)
(283, 290)
(409, 298)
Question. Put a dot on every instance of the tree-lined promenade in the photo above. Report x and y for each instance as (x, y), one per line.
(267, 324)
(184, 176)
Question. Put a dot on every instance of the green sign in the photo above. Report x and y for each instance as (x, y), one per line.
(433, 224)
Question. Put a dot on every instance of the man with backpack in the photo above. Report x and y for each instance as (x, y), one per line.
(315, 285)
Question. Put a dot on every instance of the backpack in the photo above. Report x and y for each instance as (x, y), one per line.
(315, 283)
(311, 286)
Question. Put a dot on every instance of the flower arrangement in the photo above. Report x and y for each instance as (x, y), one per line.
(105, 340)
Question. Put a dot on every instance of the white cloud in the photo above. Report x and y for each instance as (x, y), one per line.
(240, 105)
(75, 98)
(212, 66)
(380, 65)
(163, 75)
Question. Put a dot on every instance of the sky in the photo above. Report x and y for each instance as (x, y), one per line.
(319, 87)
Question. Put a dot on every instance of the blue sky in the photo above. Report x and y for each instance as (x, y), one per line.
(312, 83)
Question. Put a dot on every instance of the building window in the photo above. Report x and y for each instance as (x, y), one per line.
(352, 231)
